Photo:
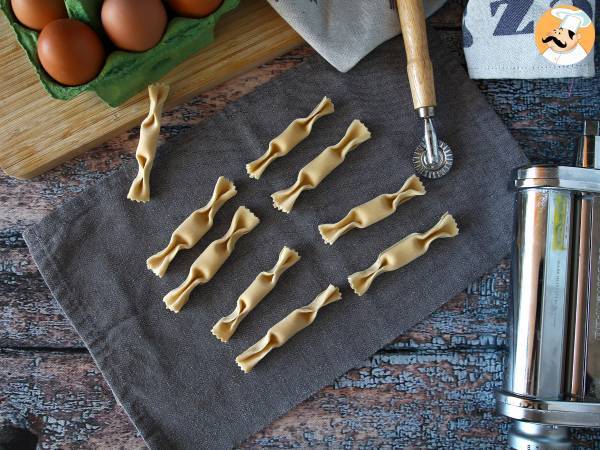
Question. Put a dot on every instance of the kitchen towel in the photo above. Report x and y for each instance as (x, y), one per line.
(344, 31)
(498, 35)
(179, 385)
(498, 39)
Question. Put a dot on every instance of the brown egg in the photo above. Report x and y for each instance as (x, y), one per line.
(194, 8)
(134, 25)
(36, 14)
(70, 51)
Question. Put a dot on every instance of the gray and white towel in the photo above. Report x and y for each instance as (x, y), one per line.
(498, 38)
(498, 34)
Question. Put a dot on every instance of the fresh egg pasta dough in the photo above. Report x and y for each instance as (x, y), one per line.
(402, 253)
(191, 230)
(372, 211)
(315, 171)
(282, 331)
(295, 133)
(212, 258)
(146, 149)
(264, 283)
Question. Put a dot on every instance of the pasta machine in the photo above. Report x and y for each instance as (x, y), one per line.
(552, 372)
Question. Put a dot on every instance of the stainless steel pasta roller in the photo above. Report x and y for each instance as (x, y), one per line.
(552, 368)
(433, 158)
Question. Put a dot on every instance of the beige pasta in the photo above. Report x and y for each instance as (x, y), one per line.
(285, 329)
(264, 283)
(212, 258)
(192, 229)
(295, 133)
(372, 211)
(146, 149)
(403, 253)
(311, 175)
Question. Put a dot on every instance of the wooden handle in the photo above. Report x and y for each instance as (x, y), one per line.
(418, 62)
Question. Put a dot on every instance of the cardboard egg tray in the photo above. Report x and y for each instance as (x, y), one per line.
(124, 73)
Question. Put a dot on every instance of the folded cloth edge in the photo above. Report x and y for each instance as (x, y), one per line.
(330, 53)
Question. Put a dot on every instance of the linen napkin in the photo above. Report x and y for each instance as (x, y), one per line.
(344, 31)
(179, 385)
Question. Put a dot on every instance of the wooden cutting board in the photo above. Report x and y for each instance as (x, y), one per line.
(38, 132)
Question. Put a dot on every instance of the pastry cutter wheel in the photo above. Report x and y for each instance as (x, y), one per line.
(433, 158)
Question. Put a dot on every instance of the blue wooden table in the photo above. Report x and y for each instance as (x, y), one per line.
(432, 388)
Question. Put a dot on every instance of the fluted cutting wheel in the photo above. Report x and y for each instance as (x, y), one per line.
(438, 170)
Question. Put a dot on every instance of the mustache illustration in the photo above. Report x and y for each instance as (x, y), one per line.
(556, 41)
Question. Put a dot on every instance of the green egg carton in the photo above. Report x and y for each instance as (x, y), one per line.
(124, 73)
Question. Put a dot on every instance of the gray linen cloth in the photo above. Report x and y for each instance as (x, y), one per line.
(180, 385)
(344, 31)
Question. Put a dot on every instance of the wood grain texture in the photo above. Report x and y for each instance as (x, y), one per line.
(418, 62)
(39, 132)
(432, 387)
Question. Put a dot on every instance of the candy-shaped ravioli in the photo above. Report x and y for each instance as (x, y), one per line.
(403, 253)
(282, 331)
(212, 258)
(192, 229)
(372, 211)
(264, 283)
(146, 149)
(295, 133)
(311, 175)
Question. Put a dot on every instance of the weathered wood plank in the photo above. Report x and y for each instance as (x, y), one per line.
(62, 398)
(545, 116)
(436, 399)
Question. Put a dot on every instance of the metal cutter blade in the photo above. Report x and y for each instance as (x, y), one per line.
(440, 167)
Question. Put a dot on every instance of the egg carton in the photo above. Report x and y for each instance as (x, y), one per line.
(124, 73)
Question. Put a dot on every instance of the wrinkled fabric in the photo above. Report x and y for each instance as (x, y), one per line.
(344, 31)
(179, 385)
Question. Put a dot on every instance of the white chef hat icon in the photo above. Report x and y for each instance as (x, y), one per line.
(570, 19)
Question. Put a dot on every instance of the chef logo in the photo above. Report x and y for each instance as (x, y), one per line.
(564, 35)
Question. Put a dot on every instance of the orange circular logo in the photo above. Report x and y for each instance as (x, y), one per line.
(565, 35)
